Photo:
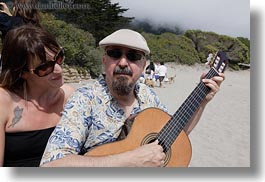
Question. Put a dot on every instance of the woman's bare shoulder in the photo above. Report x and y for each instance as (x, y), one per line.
(5, 104)
(5, 96)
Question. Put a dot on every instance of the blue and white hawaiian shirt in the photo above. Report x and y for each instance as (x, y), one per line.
(93, 117)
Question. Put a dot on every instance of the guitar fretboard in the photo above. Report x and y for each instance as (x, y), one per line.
(180, 118)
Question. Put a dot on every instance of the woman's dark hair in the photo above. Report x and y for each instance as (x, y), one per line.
(151, 66)
(23, 47)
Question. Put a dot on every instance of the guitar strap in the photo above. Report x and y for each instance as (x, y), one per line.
(126, 127)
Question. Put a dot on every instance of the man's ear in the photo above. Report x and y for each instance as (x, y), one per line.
(103, 60)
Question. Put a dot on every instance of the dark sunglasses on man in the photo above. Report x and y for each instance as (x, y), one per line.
(45, 69)
(131, 55)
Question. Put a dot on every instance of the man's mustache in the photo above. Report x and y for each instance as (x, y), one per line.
(125, 70)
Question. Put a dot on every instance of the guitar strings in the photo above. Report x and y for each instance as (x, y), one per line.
(193, 98)
(180, 118)
(194, 101)
(188, 112)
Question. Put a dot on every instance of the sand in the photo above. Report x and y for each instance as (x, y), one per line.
(222, 136)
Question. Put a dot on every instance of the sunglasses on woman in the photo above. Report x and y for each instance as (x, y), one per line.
(45, 69)
(131, 55)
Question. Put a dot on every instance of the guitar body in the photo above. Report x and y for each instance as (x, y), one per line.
(144, 130)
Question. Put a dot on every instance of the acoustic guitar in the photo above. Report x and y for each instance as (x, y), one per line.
(153, 123)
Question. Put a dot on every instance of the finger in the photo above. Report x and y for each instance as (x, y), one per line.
(211, 84)
(162, 163)
(164, 156)
(210, 81)
(218, 79)
(222, 75)
(203, 76)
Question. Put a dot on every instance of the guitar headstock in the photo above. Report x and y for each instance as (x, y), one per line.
(220, 62)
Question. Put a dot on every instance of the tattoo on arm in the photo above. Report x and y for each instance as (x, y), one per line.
(17, 116)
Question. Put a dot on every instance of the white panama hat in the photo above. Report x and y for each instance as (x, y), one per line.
(126, 38)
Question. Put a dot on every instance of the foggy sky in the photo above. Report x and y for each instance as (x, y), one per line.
(226, 17)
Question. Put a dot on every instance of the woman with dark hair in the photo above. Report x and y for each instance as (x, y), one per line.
(32, 94)
(24, 12)
(150, 71)
(151, 66)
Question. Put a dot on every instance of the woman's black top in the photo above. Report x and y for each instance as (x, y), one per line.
(25, 149)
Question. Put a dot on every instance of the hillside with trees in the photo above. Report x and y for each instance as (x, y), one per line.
(100, 19)
(79, 32)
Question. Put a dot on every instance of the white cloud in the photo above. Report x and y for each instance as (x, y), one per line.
(228, 17)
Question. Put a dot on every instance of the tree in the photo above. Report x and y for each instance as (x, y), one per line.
(245, 41)
(101, 18)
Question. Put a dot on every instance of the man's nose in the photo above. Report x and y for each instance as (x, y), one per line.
(123, 62)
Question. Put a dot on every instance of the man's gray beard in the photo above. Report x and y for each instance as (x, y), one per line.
(121, 86)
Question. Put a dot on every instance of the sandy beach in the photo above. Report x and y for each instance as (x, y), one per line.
(222, 137)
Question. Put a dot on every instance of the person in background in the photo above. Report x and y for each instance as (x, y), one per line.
(24, 12)
(32, 94)
(156, 71)
(162, 72)
(150, 71)
(209, 58)
(96, 112)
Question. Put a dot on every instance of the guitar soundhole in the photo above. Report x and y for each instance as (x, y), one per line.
(151, 137)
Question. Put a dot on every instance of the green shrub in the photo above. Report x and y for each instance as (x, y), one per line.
(78, 44)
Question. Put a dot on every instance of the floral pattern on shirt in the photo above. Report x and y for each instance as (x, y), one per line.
(92, 117)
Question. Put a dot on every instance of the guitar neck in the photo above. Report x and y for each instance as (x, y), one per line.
(180, 118)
